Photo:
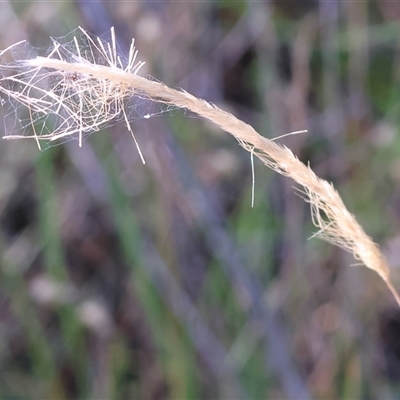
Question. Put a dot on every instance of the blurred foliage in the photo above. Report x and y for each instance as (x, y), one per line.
(160, 281)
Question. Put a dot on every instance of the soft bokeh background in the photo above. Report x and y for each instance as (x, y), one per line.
(159, 281)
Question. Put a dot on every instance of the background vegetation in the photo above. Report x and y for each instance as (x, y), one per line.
(126, 281)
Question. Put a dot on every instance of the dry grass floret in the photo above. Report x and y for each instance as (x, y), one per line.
(87, 93)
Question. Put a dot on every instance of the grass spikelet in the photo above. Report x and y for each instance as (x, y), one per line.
(88, 94)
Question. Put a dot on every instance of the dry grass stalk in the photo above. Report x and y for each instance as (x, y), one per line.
(90, 94)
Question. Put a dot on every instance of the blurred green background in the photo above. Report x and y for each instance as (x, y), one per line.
(128, 281)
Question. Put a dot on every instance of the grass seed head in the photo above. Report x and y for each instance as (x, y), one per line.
(81, 86)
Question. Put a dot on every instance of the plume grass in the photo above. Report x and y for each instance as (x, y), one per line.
(88, 94)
